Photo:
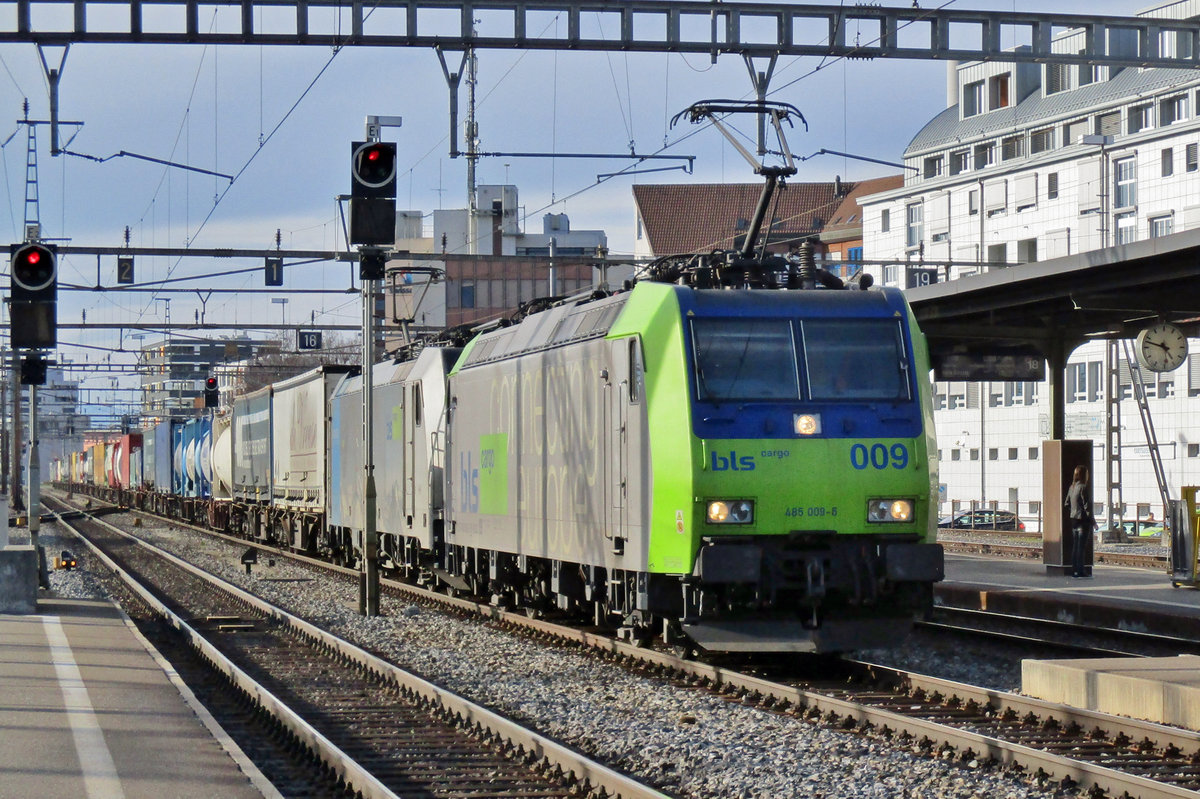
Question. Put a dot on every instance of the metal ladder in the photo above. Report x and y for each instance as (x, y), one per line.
(1139, 393)
(32, 215)
(1112, 436)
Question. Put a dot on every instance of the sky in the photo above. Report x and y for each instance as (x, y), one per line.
(281, 120)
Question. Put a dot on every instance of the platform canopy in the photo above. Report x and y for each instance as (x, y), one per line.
(1051, 307)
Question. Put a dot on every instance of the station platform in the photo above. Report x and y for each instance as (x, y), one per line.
(89, 709)
(1116, 597)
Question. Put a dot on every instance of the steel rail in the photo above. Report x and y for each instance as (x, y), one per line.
(584, 769)
(329, 753)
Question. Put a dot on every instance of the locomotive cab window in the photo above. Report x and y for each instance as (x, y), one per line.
(858, 360)
(744, 359)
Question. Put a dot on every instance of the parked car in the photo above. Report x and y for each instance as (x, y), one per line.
(984, 519)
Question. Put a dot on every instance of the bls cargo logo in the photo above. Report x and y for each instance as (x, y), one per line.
(731, 462)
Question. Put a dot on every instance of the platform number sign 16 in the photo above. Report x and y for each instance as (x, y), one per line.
(309, 340)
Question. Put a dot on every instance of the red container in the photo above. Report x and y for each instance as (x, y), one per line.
(126, 459)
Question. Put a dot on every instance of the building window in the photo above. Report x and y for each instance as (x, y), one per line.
(1057, 79)
(973, 202)
(1012, 453)
(1139, 118)
(1171, 110)
(998, 91)
(854, 253)
(1052, 186)
(1026, 251)
(1033, 453)
(959, 162)
(933, 166)
(885, 220)
(1168, 162)
(1041, 140)
(916, 226)
(972, 99)
(1191, 158)
(1073, 130)
(891, 275)
(997, 254)
(467, 295)
(1126, 225)
(974, 454)
(1125, 179)
(983, 155)
(1161, 226)
(956, 454)
(1012, 147)
(1077, 382)
(1194, 450)
(1108, 124)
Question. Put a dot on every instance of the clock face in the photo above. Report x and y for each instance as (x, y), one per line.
(1162, 347)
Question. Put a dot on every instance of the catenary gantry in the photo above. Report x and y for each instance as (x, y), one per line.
(746, 29)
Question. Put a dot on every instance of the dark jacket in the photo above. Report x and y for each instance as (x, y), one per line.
(1079, 503)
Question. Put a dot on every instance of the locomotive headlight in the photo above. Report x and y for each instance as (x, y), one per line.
(889, 510)
(806, 424)
(730, 511)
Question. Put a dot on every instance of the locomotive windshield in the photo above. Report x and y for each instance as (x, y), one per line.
(859, 360)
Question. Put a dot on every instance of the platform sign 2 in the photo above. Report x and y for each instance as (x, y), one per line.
(125, 269)
(309, 340)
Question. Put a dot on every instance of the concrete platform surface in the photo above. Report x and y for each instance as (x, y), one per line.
(88, 709)
(1117, 597)
(1163, 690)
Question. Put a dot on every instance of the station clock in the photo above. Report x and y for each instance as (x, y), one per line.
(1162, 347)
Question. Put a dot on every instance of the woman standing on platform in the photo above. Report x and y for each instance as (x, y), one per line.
(1083, 522)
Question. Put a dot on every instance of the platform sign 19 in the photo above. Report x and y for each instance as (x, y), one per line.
(309, 340)
(921, 276)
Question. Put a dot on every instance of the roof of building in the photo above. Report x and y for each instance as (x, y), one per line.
(846, 221)
(697, 218)
(947, 129)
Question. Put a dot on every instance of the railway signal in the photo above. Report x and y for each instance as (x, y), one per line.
(33, 371)
(373, 169)
(211, 393)
(34, 293)
(372, 192)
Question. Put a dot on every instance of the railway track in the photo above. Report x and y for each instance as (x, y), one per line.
(375, 729)
(1061, 745)
(1033, 551)
(1058, 638)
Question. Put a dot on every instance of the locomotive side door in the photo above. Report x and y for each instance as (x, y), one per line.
(623, 385)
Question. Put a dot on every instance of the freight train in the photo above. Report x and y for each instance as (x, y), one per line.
(739, 461)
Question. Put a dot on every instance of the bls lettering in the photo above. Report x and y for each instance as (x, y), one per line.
(731, 462)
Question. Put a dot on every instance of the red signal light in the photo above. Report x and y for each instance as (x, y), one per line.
(372, 155)
(210, 382)
(33, 257)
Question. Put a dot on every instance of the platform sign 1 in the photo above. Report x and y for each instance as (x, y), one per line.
(308, 340)
(273, 271)
(921, 276)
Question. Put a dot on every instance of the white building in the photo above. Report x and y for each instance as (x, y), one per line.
(1032, 162)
